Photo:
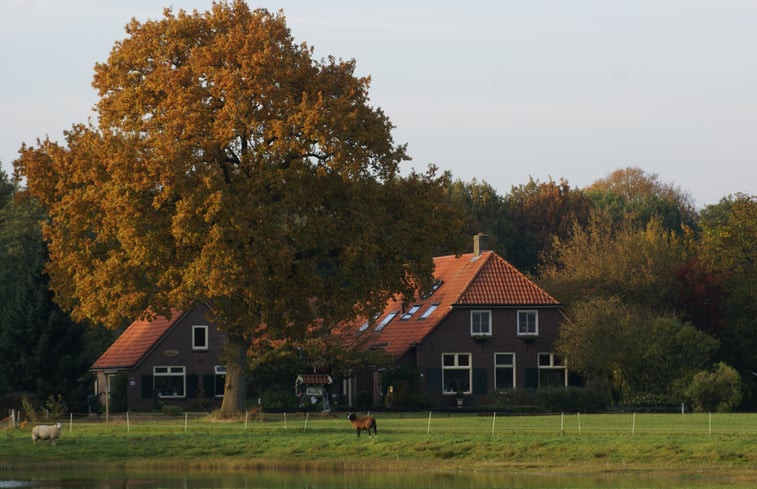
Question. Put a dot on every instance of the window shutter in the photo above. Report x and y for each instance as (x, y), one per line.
(479, 381)
(434, 376)
(208, 385)
(146, 387)
(192, 385)
(532, 378)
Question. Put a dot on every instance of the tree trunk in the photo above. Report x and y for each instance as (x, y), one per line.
(235, 387)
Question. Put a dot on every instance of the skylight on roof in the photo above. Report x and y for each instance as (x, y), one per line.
(437, 283)
(386, 320)
(410, 312)
(428, 311)
(368, 322)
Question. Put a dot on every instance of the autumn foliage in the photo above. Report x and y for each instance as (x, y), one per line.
(228, 165)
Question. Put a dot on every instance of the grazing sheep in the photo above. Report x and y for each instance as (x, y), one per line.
(365, 423)
(46, 432)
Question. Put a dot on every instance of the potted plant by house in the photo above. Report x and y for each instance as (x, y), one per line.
(459, 395)
(460, 398)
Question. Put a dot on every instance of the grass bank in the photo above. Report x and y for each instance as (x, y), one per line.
(723, 447)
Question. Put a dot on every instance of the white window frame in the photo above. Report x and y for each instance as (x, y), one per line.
(457, 365)
(196, 347)
(554, 362)
(505, 365)
(525, 332)
(481, 332)
(170, 371)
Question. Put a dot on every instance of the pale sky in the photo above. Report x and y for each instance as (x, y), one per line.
(493, 90)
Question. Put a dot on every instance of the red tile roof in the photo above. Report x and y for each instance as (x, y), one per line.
(498, 282)
(320, 379)
(467, 279)
(135, 342)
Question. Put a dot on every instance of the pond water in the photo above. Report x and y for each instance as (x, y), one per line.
(331, 480)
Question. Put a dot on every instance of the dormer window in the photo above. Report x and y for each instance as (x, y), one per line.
(199, 338)
(481, 323)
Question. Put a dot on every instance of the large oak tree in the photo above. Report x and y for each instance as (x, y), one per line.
(229, 165)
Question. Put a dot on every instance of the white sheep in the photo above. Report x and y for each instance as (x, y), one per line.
(46, 432)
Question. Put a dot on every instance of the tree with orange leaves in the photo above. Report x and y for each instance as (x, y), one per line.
(228, 165)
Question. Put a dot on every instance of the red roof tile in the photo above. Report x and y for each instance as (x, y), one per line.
(314, 378)
(465, 280)
(135, 342)
(499, 282)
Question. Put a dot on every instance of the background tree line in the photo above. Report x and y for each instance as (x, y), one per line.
(657, 293)
(228, 165)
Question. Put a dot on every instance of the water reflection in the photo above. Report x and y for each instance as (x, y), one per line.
(329, 480)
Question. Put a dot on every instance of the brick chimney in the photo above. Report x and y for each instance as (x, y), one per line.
(480, 243)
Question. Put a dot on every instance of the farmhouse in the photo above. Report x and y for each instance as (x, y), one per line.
(483, 327)
(169, 360)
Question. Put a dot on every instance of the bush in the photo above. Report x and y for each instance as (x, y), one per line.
(590, 399)
(27, 406)
(55, 408)
(419, 401)
(515, 399)
(171, 409)
(278, 399)
(716, 390)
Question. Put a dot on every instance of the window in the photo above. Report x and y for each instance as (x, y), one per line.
(437, 283)
(386, 320)
(169, 382)
(552, 371)
(410, 312)
(199, 337)
(366, 324)
(428, 311)
(480, 323)
(504, 370)
(528, 323)
(220, 380)
(456, 373)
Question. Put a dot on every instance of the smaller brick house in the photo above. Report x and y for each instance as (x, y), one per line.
(484, 327)
(167, 361)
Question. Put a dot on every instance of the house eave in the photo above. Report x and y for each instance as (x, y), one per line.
(119, 368)
(460, 305)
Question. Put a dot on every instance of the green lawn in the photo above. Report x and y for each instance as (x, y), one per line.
(721, 444)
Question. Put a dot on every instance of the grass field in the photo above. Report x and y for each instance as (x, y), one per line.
(718, 445)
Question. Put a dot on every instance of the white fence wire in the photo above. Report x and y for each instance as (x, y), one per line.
(429, 422)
